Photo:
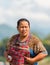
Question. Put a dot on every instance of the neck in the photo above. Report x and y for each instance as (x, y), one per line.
(23, 38)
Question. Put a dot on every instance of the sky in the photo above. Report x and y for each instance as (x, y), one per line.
(36, 11)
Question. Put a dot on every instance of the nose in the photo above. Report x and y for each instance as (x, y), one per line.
(24, 28)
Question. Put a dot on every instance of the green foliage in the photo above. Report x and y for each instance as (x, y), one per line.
(45, 61)
(47, 46)
(4, 41)
(3, 46)
(2, 58)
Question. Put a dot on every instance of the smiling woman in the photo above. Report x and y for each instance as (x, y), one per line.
(23, 27)
(24, 48)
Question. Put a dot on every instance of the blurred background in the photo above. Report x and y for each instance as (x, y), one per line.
(36, 11)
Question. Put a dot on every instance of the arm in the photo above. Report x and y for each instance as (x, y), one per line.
(6, 56)
(6, 52)
(10, 43)
(39, 49)
(39, 57)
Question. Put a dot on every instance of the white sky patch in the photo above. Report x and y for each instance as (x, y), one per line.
(34, 15)
(21, 4)
(2, 19)
(43, 3)
(10, 12)
(25, 13)
(40, 16)
(22, 8)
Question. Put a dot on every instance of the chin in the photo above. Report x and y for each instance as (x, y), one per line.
(24, 35)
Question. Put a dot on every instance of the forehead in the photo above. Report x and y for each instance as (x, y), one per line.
(23, 23)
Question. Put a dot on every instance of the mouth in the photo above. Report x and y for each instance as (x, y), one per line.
(23, 32)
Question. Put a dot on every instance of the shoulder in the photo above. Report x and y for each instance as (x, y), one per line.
(13, 37)
(35, 39)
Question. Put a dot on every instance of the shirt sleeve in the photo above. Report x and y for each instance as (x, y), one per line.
(39, 47)
(10, 42)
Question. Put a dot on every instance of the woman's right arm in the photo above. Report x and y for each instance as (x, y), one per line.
(6, 55)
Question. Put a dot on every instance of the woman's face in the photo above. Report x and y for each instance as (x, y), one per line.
(24, 28)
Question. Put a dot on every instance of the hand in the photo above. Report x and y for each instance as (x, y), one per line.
(9, 60)
(7, 57)
(29, 60)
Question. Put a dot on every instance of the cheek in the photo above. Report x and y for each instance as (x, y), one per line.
(20, 29)
(23, 29)
(28, 29)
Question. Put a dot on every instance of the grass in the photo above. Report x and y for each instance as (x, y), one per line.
(45, 61)
(2, 59)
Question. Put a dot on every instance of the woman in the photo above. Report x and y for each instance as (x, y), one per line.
(31, 47)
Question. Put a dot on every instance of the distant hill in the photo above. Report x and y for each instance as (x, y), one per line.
(42, 32)
(6, 31)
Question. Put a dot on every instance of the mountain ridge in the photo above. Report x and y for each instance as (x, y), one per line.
(8, 31)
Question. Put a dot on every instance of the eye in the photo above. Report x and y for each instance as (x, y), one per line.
(22, 27)
(26, 26)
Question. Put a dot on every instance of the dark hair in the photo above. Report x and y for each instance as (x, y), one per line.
(22, 19)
